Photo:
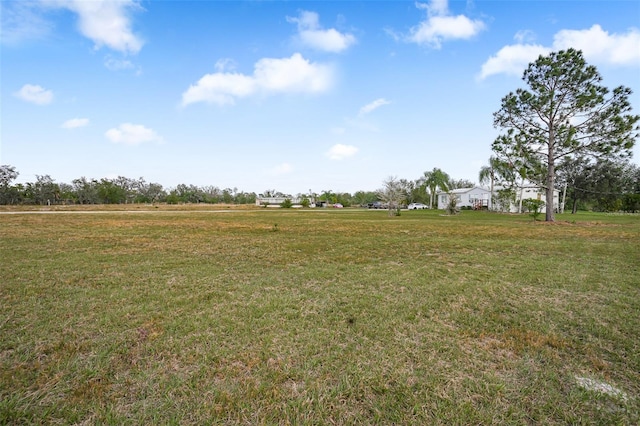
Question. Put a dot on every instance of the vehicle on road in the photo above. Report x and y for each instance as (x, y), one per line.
(377, 205)
(416, 206)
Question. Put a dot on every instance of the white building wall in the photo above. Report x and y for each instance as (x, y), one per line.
(470, 197)
(276, 200)
(467, 197)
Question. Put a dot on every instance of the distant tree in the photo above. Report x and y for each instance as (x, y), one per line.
(565, 113)
(188, 193)
(597, 185)
(461, 183)
(228, 196)
(149, 192)
(7, 175)
(392, 194)
(362, 198)
(67, 194)
(415, 190)
(630, 203)
(86, 190)
(44, 190)
(110, 192)
(128, 188)
(435, 180)
(632, 178)
(246, 197)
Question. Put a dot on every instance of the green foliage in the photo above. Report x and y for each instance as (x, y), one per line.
(286, 204)
(504, 198)
(435, 180)
(631, 203)
(8, 193)
(602, 185)
(533, 206)
(565, 113)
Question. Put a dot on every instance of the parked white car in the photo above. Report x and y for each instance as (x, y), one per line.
(416, 206)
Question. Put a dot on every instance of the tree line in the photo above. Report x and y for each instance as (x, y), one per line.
(598, 186)
(121, 190)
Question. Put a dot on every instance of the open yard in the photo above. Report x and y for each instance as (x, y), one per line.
(268, 316)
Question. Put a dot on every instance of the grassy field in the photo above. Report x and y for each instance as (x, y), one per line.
(266, 316)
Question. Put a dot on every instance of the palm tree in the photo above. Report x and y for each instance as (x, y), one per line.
(497, 171)
(434, 180)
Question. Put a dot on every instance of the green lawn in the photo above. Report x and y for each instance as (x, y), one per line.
(266, 316)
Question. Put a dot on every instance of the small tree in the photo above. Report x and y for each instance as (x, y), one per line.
(505, 197)
(533, 206)
(286, 204)
(452, 205)
(392, 194)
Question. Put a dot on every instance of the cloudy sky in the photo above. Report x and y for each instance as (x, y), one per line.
(292, 96)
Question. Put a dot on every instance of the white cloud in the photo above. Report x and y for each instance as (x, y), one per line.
(225, 64)
(512, 59)
(132, 134)
(75, 123)
(22, 21)
(441, 26)
(35, 94)
(311, 34)
(596, 44)
(372, 106)
(340, 152)
(114, 64)
(525, 36)
(270, 76)
(106, 22)
(281, 169)
(600, 46)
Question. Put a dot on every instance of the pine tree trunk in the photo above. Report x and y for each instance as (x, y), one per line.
(550, 173)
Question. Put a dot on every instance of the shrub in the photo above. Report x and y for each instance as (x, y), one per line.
(452, 205)
(533, 206)
(286, 204)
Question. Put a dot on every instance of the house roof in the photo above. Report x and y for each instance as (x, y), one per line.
(463, 190)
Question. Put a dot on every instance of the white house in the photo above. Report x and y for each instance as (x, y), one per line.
(476, 197)
(480, 198)
(276, 201)
(530, 191)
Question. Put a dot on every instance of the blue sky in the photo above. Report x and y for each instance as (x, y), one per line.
(292, 96)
